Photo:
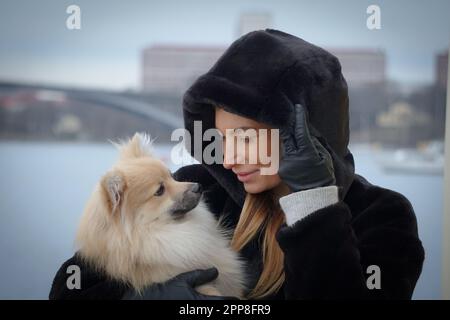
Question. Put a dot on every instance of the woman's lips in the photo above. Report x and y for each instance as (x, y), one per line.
(245, 176)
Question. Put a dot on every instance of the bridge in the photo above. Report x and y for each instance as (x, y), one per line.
(108, 99)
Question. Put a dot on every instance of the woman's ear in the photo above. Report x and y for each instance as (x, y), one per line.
(113, 186)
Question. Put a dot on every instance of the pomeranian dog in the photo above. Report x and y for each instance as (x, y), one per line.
(140, 226)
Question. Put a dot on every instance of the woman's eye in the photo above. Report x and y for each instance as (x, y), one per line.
(160, 190)
(247, 139)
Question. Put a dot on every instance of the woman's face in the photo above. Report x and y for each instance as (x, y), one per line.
(241, 161)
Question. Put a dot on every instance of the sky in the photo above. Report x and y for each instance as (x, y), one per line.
(36, 46)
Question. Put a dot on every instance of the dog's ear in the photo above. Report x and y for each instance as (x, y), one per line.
(113, 186)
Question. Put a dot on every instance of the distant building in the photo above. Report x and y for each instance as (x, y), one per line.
(441, 69)
(438, 103)
(173, 68)
(361, 66)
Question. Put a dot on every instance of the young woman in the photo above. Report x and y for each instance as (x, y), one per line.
(313, 230)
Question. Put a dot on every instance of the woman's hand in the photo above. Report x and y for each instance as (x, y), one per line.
(305, 163)
(180, 287)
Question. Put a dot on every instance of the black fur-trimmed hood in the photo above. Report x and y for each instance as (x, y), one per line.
(261, 76)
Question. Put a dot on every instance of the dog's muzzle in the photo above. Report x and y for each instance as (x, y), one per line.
(188, 201)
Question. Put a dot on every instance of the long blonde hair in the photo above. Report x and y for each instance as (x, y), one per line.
(262, 212)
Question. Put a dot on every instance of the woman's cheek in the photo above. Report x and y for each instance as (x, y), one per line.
(252, 151)
(264, 152)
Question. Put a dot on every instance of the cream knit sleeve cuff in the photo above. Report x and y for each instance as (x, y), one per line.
(298, 205)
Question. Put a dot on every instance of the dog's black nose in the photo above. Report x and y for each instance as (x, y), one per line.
(197, 188)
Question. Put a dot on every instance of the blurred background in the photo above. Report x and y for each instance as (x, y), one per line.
(65, 92)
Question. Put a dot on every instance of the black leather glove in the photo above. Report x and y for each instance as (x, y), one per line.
(305, 163)
(180, 287)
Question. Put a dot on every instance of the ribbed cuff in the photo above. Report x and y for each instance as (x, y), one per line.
(298, 205)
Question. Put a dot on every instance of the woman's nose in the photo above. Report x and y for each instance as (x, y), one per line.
(228, 159)
(229, 155)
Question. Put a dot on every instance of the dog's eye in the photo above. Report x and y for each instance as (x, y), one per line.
(160, 190)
